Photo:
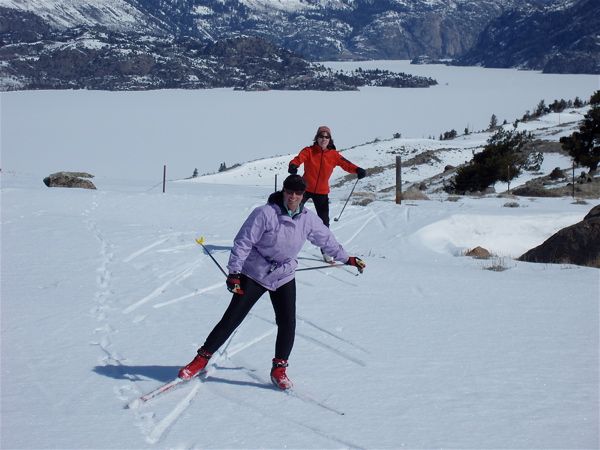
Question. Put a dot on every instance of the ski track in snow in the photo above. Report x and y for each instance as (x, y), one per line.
(190, 295)
(185, 273)
(155, 432)
(324, 330)
(317, 342)
(154, 429)
(145, 249)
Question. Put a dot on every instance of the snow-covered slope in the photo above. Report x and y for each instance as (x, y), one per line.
(112, 14)
(105, 295)
(379, 158)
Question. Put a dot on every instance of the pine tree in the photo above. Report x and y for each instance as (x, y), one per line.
(502, 159)
(584, 145)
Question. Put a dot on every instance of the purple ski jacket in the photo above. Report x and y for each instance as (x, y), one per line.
(267, 245)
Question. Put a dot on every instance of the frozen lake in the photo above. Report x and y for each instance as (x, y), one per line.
(133, 134)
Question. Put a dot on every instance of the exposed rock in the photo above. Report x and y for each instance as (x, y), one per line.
(70, 180)
(413, 193)
(534, 188)
(316, 29)
(552, 39)
(556, 174)
(116, 61)
(578, 244)
(479, 253)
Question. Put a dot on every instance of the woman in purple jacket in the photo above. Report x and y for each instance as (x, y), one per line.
(263, 259)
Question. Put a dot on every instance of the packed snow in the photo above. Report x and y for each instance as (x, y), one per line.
(105, 294)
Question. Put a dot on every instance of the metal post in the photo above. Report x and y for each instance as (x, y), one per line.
(275, 183)
(398, 180)
(164, 177)
(508, 177)
(573, 184)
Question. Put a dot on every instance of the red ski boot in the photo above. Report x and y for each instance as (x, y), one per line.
(196, 366)
(278, 375)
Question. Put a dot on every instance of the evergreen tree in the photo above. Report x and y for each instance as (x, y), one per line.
(502, 159)
(540, 109)
(584, 145)
(493, 122)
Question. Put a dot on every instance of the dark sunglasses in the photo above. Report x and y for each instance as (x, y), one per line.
(291, 191)
(324, 136)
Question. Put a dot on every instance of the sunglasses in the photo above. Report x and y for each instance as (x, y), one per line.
(324, 136)
(291, 191)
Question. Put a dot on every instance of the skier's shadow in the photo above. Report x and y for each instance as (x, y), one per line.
(165, 374)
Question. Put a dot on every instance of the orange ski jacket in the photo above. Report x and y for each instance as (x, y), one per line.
(319, 165)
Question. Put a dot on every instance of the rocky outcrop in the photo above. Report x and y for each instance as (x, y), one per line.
(551, 39)
(578, 244)
(479, 253)
(94, 59)
(70, 180)
(316, 29)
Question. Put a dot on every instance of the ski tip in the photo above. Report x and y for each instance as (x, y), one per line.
(200, 240)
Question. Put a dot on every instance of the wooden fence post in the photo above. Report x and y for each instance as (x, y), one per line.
(398, 180)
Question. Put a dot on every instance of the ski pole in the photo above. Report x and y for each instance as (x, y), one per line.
(200, 241)
(338, 217)
(320, 267)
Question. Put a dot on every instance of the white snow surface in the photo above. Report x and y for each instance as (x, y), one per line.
(105, 294)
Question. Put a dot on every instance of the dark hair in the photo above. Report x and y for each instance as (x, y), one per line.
(294, 183)
(330, 146)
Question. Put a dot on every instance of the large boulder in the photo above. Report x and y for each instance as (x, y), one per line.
(70, 180)
(578, 244)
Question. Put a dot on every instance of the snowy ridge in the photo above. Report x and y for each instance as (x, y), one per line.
(379, 157)
(113, 14)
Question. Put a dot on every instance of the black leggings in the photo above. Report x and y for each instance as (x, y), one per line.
(321, 202)
(283, 300)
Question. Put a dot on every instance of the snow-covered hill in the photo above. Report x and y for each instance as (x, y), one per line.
(105, 294)
(379, 158)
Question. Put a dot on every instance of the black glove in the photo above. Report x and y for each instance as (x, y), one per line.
(361, 173)
(233, 283)
(293, 169)
(356, 262)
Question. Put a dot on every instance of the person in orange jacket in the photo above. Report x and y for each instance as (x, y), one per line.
(319, 161)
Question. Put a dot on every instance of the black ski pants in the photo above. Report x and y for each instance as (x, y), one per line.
(321, 202)
(283, 300)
